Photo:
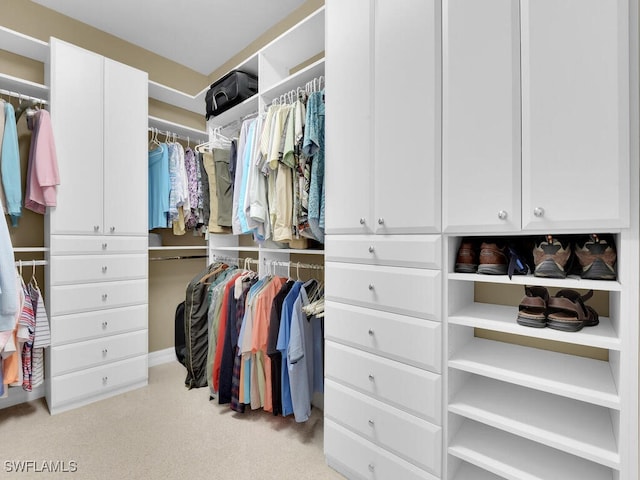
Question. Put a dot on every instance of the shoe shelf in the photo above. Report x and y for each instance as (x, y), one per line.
(501, 318)
(569, 282)
(570, 376)
(516, 458)
(467, 471)
(579, 428)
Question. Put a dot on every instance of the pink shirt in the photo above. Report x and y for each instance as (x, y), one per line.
(42, 175)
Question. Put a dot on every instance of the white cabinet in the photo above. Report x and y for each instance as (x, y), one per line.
(383, 149)
(97, 277)
(99, 113)
(535, 115)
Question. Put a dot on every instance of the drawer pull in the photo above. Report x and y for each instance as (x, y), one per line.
(371, 423)
(104, 351)
(371, 249)
(105, 380)
(104, 269)
(538, 212)
(362, 221)
(371, 287)
(502, 215)
(104, 246)
(96, 228)
(372, 467)
(104, 324)
(104, 297)
(381, 221)
(112, 229)
(371, 378)
(371, 332)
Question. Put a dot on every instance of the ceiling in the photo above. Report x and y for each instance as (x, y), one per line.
(200, 34)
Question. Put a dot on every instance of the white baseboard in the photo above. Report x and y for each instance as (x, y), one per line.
(17, 395)
(160, 357)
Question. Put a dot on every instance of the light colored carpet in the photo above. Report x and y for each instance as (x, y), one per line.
(163, 431)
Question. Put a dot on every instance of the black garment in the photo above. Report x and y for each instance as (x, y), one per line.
(272, 351)
(233, 160)
(226, 363)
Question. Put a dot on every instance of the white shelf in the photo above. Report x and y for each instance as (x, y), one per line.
(25, 87)
(182, 130)
(30, 249)
(571, 376)
(235, 249)
(298, 79)
(193, 103)
(468, 471)
(569, 282)
(502, 318)
(268, 250)
(574, 427)
(178, 247)
(515, 458)
(20, 44)
(235, 114)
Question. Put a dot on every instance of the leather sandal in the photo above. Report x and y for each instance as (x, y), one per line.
(532, 311)
(568, 312)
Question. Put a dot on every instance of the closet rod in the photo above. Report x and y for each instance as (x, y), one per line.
(273, 263)
(239, 121)
(22, 96)
(30, 263)
(172, 134)
(181, 257)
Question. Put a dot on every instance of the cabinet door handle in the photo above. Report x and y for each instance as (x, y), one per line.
(371, 287)
(371, 249)
(104, 269)
(372, 467)
(96, 228)
(362, 221)
(105, 380)
(104, 297)
(381, 221)
(104, 246)
(105, 324)
(371, 423)
(371, 332)
(371, 377)
(538, 212)
(112, 229)
(502, 215)
(104, 351)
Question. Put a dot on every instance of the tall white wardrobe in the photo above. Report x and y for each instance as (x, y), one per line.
(455, 118)
(97, 280)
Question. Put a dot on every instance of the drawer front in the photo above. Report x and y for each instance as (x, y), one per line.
(85, 326)
(385, 334)
(356, 457)
(403, 386)
(87, 245)
(99, 380)
(411, 438)
(66, 299)
(417, 251)
(97, 268)
(78, 356)
(407, 291)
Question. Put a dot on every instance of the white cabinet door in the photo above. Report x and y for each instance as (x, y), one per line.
(349, 153)
(481, 116)
(125, 149)
(76, 79)
(575, 114)
(407, 104)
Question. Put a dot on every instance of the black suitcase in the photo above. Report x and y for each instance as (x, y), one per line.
(232, 89)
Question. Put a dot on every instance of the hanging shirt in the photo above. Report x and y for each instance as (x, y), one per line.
(314, 146)
(42, 175)
(283, 346)
(238, 198)
(159, 187)
(3, 198)
(256, 205)
(191, 167)
(10, 165)
(224, 187)
(272, 351)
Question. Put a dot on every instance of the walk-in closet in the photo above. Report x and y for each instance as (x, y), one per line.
(320, 239)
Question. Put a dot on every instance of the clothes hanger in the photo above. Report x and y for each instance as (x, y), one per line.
(220, 268)
(33, 280)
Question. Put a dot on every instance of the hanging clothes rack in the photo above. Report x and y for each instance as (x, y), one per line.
(273, 263)
(31, 263)
(22, 96)
(179, 257)
(171, 135)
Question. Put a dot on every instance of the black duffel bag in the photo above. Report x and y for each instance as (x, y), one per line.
(232, 89)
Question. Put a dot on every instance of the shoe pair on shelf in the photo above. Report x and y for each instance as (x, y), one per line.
(491, 256)
(591, 257)
(565, 311)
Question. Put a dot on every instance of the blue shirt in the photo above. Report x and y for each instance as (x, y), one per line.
(283, 344)
(159, 187)
(11, 179)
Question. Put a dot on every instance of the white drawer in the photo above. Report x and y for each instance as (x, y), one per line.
(407, 291)
(84, 326)
(403, 386)
(83, 245)
(417, 251)
(411, 438)
(385, 334)
(97, 296)
(357, 458)
(97, 381)
(78, 356)
(97, 268)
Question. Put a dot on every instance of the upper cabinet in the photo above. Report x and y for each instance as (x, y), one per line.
(99, 113)
(383, 117)
(535, 115)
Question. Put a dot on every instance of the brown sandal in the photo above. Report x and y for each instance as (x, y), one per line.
(532, 311)
(568, 312)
